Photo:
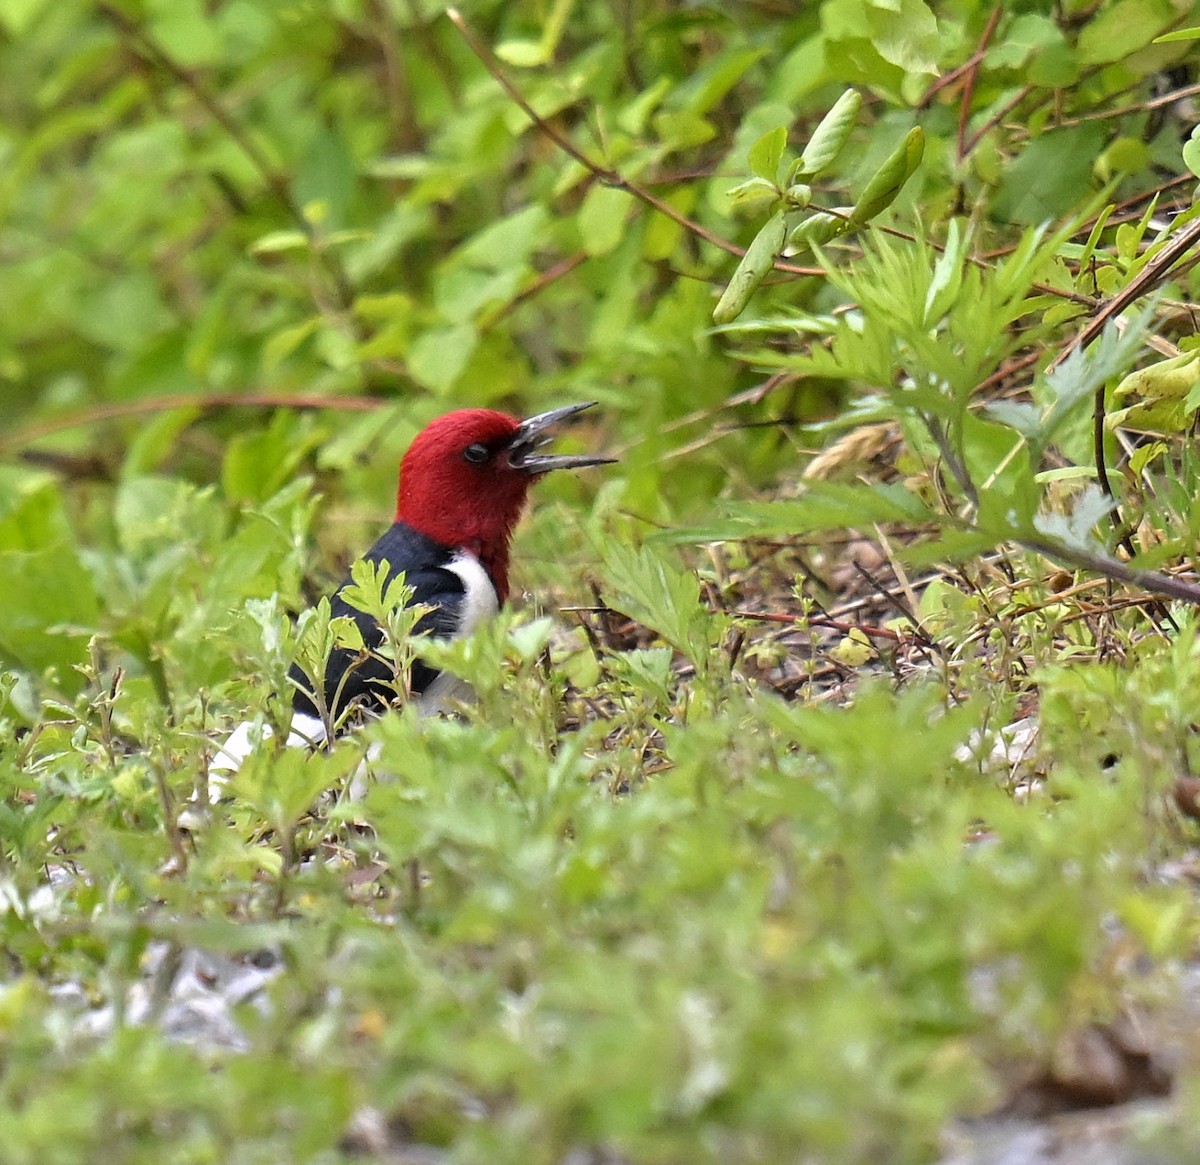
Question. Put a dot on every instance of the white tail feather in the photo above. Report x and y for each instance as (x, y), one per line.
(303, 732)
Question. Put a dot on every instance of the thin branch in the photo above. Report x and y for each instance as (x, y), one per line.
(996, 119)
(601, 173)
(964, 109)
(1154, 273)
(946, 80)
(397, 83)
(1166, 585)
(162, 404)
(1138, 107)
(951, 458)
(813, 620)
(147, 48)
(551, 275)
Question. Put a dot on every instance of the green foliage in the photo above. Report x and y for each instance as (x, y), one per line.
(634, 903)
(792, 194)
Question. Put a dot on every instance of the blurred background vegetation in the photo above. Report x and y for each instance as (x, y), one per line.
(246, 241)
(248, 248)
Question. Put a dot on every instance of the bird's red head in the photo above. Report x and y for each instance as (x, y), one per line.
(465, 477)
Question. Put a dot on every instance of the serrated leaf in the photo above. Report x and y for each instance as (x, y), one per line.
(644, 586)
(1076, 529)
(375, 590)
(826, 505)
(947, 278)
(1025, 418)
(948, 546)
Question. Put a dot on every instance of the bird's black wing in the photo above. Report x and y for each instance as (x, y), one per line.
(353, 677)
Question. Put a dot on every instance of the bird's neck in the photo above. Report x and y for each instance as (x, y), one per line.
(488, 543)
(493, 557)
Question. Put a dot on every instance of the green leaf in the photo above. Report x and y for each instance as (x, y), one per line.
(156, 440)
(767, 152)
(1077, 530)
(527, 54)
(438, 357)
(186, 32)
(51, 608)
(522, 54)
(18, 15)
(890, 178)
(818, 229)
(905, 33)
(602, 218)
(1165, 379)
(259, 464)
(758, 260)
(642, 584)
(1191, 152)
(831, 135)
(1177, 35)
(284, 343)
(375, 589)
(32, 516)
(752, 190)
(826, 505)
(1022, 416)
(946, 284)
(275, 242)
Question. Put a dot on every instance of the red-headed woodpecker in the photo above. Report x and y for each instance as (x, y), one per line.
(463, 485)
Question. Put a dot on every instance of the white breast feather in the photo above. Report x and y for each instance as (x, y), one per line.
(479, 602)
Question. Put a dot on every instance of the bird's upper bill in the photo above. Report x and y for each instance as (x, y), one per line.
(532, 434)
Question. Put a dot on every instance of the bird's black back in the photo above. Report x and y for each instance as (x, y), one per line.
(369, 681)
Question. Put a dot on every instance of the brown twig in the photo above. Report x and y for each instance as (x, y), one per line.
(397, 83)
(811, 620)
(1164, 585)
(604, 174)
(551, 275)
(162, 404)
(146, 47)
(964, 109)
(1153, 273)
(946, 80)
(1138, 107)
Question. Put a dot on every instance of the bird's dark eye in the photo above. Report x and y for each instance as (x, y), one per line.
(477, 454)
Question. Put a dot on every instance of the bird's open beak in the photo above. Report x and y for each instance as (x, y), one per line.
(532, 435)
